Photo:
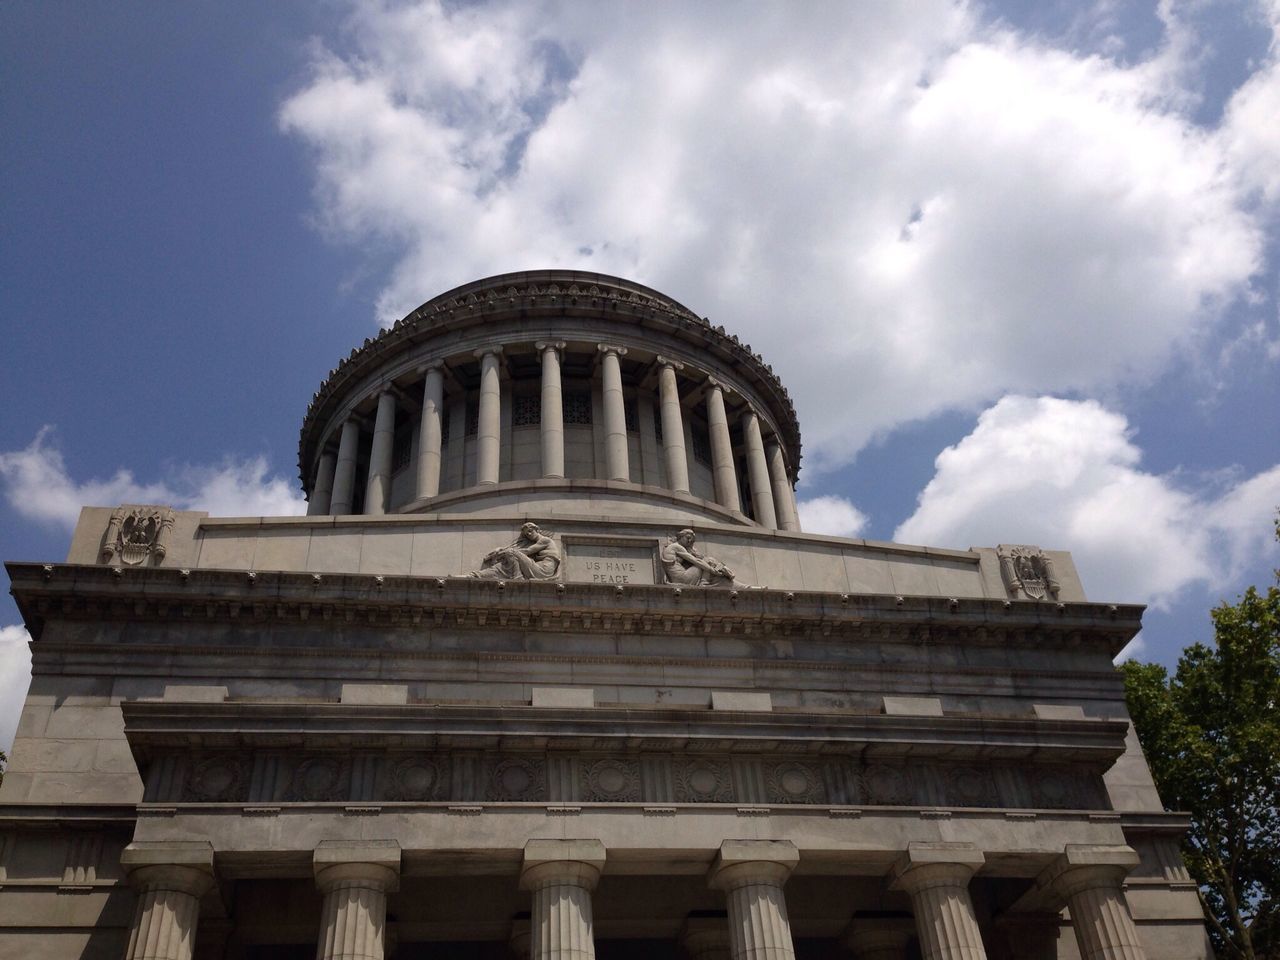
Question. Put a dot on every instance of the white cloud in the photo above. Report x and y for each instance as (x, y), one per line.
(831, 515)
(1066, 474)
(38, 486)
(15, 677)
(953, 210)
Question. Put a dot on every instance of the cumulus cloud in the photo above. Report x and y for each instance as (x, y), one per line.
(15, 676)
(831, 515)
(38, 486)
(952, 209)
(1066, 474)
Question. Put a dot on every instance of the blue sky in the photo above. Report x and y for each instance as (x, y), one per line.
(1017, 262)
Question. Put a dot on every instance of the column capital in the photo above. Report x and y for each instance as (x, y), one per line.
(182, 865)
(935, 864)
(482, 352)
(879, 936)
(373, 862)
(429, 366)
(668, 362)
(550, 862)
(542, 346)
(607, 348)
(1086, 866)
(713, 383)
(745, 861)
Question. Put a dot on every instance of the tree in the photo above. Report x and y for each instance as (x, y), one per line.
(1211, 733)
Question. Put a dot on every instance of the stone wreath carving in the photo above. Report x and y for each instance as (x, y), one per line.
(683, 565)
(532, 555)
(136, 535)
(1027, 572)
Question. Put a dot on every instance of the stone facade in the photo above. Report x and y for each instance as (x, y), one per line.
(477, 702)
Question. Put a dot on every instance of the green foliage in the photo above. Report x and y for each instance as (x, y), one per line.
(1211, 733)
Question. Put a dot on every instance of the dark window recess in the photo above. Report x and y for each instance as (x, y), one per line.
(527, 411)
(473, 420)
(657, 424)
(701, 444)
(577, 407)
(444, 425)
(631, 414)
(402, 447)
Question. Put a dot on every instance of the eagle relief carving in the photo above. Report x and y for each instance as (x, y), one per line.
(137, 535)
(1027, 572)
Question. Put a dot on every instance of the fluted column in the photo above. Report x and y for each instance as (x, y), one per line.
(170, 877)
(377, 492)
(706, 938)
(879, 938)
(344, 477)
(1090, 878)
(322, 492)
(722, 469)
(784, 502)
(355, 878)
(751, 874)
(488, 433)
(552, 411)
(758, 471)
(936, 877)
(430, 432)
(562, 875)
(672, 425)
(615, 415)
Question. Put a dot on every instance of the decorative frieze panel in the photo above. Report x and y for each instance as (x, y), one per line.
(579, 777)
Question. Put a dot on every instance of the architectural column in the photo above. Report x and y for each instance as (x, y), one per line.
(936, 877)
(751, 874)
(726, 477)
(430, 431)
(552, 410)
(355, 878)
(489, 429)
(562, 875)
(377, 492)
(344, 476)
(706, 938)
(1090, 878)
(758, 471)
(784, 501)
(615, 414)
(322, 492)
(879, 938)
(672, 425)
(171, 877)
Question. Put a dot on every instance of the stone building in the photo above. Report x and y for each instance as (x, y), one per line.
(550, 668)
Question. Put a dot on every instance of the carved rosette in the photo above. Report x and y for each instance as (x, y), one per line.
(971, 787)
(137, 535)
(795, 783)
(616, 781)
(219, 779)
(887, 785)
(319, 780)
(1028, 572)
(418, 778)
(518, 779)
(703, 781)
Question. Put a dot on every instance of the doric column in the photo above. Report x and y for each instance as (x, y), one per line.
(758, 471)
(879, 938)
(615, 414)
(355, 878)
(344, 477)
(1089, 878)
(488, 432)
(936, 877)
(751, 874)
(322, 492)
(706, 938)
(784, 502)
(377, 492)
(170, 877)
(726, 477)
(672, 425)
(562, 874)
(430, 431)
(552, 410)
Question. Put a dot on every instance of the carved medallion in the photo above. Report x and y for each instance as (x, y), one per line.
(417, 778)
(794, 783)
(1052, 787)
(970, 787)
(616, 781)
(703, 781)
(320, 779)
(216, 780)
(518, 779)
(888, 785)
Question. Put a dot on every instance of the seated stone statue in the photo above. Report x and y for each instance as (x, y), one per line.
(683, 565)
(531, 556)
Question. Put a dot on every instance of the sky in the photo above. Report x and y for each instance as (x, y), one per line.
(1018, 263)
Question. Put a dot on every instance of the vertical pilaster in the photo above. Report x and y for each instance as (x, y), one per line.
(488, 431)
(783, 495)
(562, 874)
(552, 410)
(355, 879)
(170, 877)
(879, 938)
(672, 425)
(722, 469)
(430, 430)
(1090, 878)
(936, 877)
(322, 492)
(344, 477)
(758, 471)
(615, 416)
(377, 495)
(751, 874)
